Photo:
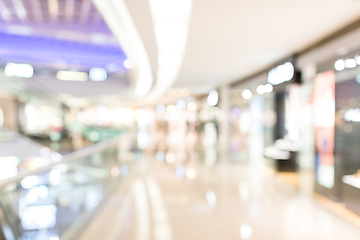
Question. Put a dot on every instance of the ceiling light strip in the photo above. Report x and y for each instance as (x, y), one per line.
(53, 9)
(4, 11)
(171, 22)
(20, 9)
(117, 17)
(72, 76)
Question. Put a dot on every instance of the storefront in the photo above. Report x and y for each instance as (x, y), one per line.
(248, 131)
(264, 109)
(331, 76)
(284, 150)
(337, 130)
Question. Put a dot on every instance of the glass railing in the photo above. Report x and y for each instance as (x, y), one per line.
(57, 200)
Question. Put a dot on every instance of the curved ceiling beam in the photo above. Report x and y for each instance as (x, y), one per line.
(171, 22)
(117, 17)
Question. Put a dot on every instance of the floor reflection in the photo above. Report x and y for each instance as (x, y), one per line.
(167, 192)
(207, 196)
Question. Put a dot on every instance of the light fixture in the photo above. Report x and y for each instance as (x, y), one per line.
(340, 65)
(171, 19)
(357, 58)
(245, 231)
(128, 64)
(350, 63)
(4, 11)
(247, 94)
(56, 157)
(352, 115)
(357, 78)
(72, 76)
(213, 98)
(45, 152)
(268, 88)
(181, 104)
(190, 173)
(211, 199)
(20, 10)
(29, 182)
(19, 70)
(260, 89)
(171, 109)
(282, 73)
(170, 157)
(97, 74)
(191, 107)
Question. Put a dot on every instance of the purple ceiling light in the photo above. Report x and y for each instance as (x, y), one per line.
(40, 49)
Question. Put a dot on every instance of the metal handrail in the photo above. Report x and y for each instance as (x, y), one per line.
(65, 159)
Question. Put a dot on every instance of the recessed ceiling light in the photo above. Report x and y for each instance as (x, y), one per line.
(19, 70)
(72, 76)
(128, 64)
(340, 65)
(247, 94)
(350, 63)
(97, 74)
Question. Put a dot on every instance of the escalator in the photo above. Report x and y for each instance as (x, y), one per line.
(57, 201)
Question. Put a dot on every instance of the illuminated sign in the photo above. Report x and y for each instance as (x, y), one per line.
(282, 73)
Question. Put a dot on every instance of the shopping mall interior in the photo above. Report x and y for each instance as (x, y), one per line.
(179, 119)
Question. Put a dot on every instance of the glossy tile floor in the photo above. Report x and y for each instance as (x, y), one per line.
(213, 200)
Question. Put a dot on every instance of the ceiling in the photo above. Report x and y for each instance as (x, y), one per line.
(229, 40)
(58, 54)
(73, 20)
(57, 11)
(57, 35)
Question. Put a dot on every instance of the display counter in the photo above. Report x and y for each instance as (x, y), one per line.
(283, 154)
(351, 193)
(287, 165)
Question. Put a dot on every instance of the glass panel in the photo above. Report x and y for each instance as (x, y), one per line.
(56, 203)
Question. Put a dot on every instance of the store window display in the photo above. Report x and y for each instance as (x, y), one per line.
(324, 127)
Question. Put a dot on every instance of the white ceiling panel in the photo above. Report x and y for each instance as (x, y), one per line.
(231, 39)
